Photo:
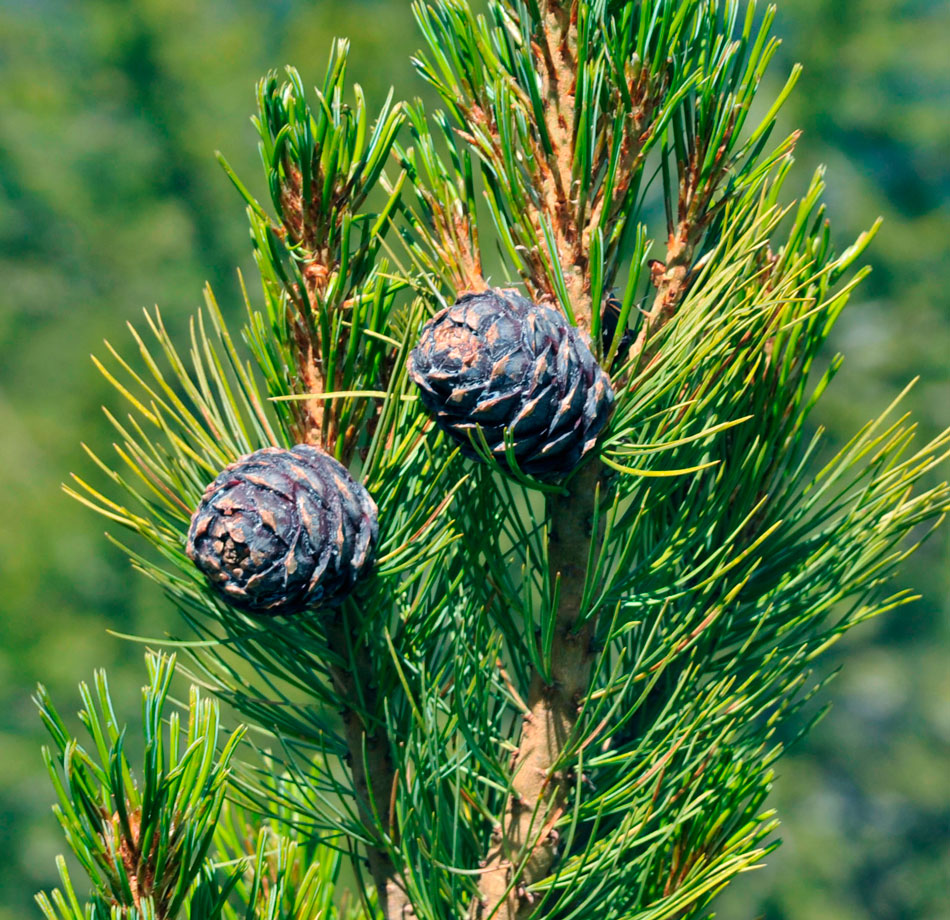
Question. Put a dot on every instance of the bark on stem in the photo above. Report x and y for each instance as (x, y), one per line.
(525, 842)
(669, 279)
(372, 772)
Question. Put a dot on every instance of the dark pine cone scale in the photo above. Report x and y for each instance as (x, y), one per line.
(282, 530)
(497, 361)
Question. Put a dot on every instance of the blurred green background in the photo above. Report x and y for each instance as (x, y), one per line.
(110, 200)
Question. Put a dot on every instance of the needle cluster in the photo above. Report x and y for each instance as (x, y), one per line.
(563, 687)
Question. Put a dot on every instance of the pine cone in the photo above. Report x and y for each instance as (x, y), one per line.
(282, 530)
(501, 362)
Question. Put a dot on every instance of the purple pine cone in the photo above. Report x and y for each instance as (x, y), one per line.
(498, 361)
(282, 530)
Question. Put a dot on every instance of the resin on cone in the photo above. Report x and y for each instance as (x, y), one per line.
(497, 361)
(282, 530)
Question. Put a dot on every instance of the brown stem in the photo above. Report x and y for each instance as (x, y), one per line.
(695, 211)
(316, 422)
(557, 63)
(373, 777)
(670, 280)
(524, 843)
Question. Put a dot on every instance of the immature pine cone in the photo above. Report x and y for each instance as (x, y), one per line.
(282, 530)
(501, 362)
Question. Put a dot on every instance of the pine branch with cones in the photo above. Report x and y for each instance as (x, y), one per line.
(502, 524)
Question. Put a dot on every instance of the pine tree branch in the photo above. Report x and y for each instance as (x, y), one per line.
(696, 208)
(370, 765)
(315, 425)
(318, 259)
(301, 228)
(669, 278)
(723, 563)
(524, 844)
(557, 63)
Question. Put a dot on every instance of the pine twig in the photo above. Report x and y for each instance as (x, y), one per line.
(557, 63)
(670, 280)
(524, 844)
(370, 766)
(316, 423)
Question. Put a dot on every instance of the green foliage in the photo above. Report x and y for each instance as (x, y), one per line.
(727, 565)
(672, 76)
(167, 844)
(729, 560)
(288, 877)
(328, 295)
(174, 444)
(143, 841)
(192, 416)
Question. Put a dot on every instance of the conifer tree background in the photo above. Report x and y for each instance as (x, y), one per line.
(135, 680)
